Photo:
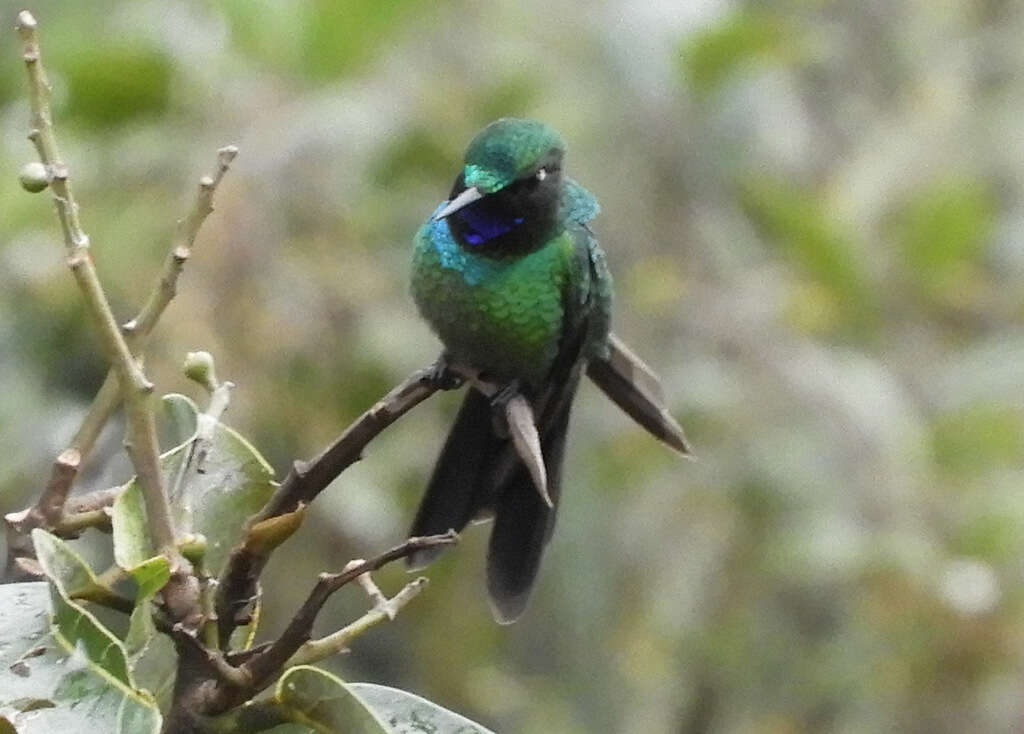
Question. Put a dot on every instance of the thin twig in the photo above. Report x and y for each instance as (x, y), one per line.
(181, 249)
(369, 585)
(264, 667)
(73, 523)
(51, 503)
(237, 586)
(337, 642)
(75, 239)
(136, 390)
(106, 598)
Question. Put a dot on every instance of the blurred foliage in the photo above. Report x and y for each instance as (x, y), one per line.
(813, 212)
(747, 38)
(809, 238)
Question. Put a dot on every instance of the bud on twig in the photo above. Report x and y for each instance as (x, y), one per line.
(199, 368)
(34, 177)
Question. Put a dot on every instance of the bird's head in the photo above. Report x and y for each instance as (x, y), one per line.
(507, 196)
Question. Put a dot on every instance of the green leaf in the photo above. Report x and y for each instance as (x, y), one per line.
(150, 576)
(316, 698)
(132, 546)
(67, 570)
(407, 713)
(64, 567)
(179, 419)
(235, 482)
(51, 678)
(151, 656)
(311, 698)
(73, 625)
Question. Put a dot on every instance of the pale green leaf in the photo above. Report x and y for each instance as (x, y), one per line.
(306, 699)
(150, 576)
(407, 713)
(50, 679)
(234, 483)
(132, 545)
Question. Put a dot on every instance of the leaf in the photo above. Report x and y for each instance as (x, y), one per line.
(407, 713)
(317, 698)
(151, 657)
(312, 698)
(73, 625)
(179, 420)
(66, 569)
(235, 482)
(150, 576)
(49, 678)
(134, 552)
(132, 545)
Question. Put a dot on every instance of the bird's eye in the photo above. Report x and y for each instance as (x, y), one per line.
(542, 174)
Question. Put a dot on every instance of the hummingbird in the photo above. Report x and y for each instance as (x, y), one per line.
(509, 275)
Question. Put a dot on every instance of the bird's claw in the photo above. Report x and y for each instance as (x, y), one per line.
(442, 376)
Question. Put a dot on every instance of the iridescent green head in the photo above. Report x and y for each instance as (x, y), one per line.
(506, 197)
(509, 149)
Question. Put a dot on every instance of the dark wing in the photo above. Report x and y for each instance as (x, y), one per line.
(631, 385)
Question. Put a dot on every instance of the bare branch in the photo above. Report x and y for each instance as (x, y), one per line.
(137, 332)
(237, 586)
(181, 250)
(49, 508)
(337, 642)
(213, 659)
(140, 439)
(96, 500)
(264, 667)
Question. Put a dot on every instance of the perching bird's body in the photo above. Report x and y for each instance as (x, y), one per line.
(513, 282)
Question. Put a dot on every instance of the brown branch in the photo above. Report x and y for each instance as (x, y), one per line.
(264, 667)
(48, 508)
(181, 250)
(181, 592)
(96, 500)
(236, 677)
(51, 510)
(236, 589)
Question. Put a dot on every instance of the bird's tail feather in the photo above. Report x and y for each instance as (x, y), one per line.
(523, 523)
(480, 474)
(453, 497)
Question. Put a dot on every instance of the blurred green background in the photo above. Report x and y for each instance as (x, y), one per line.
(813, 210)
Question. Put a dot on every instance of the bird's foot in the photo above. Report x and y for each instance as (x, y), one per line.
(442, 376)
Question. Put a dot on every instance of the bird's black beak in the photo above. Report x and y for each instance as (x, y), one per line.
(466, 198)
